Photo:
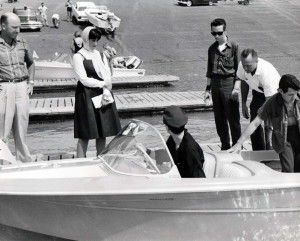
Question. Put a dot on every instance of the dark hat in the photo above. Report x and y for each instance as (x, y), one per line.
(174, 116)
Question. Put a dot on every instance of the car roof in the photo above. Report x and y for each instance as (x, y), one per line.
(85, 4)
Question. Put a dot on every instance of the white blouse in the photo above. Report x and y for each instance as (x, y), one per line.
(101, 67)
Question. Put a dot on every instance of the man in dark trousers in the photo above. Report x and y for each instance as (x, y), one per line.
(222, 64)
(186, 152)
(283, 110)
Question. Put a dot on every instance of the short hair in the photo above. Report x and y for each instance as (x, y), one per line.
(3, 18)
(218, 22)
(289, 81)
(77, 34)
(246, 52)
(176, 130)
(94, 34)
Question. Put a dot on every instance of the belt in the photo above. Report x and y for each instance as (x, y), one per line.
(15, 80)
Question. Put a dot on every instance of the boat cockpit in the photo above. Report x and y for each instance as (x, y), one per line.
(139, 150)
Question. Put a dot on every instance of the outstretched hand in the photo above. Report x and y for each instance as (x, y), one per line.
(236, 148)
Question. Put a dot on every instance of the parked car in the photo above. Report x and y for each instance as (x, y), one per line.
(78, 11)
(190, 3)
(28, 17)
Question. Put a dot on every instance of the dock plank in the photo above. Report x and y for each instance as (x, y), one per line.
(49, 85)
(126, 103)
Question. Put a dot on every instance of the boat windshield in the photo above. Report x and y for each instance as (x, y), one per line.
(138, 150)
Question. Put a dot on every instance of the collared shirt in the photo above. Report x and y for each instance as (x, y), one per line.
(188, 157)
(265, 80)
(273, 109)
(225, 62)
(14, 60)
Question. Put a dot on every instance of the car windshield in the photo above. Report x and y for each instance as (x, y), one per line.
(81, 8)
(138, 150)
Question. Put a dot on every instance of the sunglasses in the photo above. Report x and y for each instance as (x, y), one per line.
(217, 33)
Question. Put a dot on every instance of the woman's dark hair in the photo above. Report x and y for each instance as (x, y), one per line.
(289, 81)
(176, 130)
(218, 22)
(95, 34)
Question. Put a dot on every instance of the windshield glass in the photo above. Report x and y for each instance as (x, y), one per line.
(138, 150)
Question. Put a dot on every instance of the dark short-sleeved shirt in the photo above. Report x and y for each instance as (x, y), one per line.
(188, 157)
(14, 60)
(273, 109)
(223, 63)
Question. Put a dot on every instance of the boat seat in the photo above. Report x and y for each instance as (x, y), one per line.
(231, 170)
(209, 165)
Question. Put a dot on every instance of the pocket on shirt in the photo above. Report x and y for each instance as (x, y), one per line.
(228, 62)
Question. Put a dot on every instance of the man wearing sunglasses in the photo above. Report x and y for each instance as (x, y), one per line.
(222, 84)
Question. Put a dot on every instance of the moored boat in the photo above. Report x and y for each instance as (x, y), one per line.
(133, 191)
(61, 67)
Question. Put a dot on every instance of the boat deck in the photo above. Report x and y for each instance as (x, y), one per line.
(134, 103)
(51, 85)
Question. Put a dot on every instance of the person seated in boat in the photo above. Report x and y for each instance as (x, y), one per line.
(283, 110)
(77, 42)
(186, 152)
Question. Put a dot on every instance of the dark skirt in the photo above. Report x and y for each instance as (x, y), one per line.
(91, 123)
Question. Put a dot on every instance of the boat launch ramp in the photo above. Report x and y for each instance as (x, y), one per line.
(133, 103)
(52, 85)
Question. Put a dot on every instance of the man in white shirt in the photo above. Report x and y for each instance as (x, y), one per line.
(43, 12)
(262, 77)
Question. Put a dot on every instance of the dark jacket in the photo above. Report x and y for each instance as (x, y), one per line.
(188, 157)
(273, 109)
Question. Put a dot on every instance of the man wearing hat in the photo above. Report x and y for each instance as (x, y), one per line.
(186, 152)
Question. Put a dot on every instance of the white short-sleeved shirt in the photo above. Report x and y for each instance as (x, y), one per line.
(265, 77)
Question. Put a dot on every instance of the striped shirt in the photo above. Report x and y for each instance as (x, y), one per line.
(14, 60)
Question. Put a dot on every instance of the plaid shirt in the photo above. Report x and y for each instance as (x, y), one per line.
(14, 60)
(223, 63)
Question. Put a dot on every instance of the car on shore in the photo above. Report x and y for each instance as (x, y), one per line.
(190, 3)
(79, 11)
(28, 17)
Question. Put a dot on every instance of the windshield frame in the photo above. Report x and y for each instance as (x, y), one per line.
(163, 143)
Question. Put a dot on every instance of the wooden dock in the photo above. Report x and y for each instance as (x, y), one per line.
(50, 85)
(134, 103)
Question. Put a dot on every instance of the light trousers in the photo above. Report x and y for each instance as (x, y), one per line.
(14, 116)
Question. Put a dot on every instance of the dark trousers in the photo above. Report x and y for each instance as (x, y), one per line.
(258, 136)
(290, 157)
(225, 110)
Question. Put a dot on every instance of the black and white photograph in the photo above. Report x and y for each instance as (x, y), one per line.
(161, 120)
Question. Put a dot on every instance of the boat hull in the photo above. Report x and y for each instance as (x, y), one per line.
(225, 215)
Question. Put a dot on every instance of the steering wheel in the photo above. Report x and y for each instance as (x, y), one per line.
(149, 160)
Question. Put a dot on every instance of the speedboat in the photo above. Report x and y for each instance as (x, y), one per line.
(102, 18)
(133, 191)
(60, 66)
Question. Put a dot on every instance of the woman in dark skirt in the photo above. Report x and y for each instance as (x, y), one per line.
(94, 75)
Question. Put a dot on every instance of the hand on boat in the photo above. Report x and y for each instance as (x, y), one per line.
(236, 148)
